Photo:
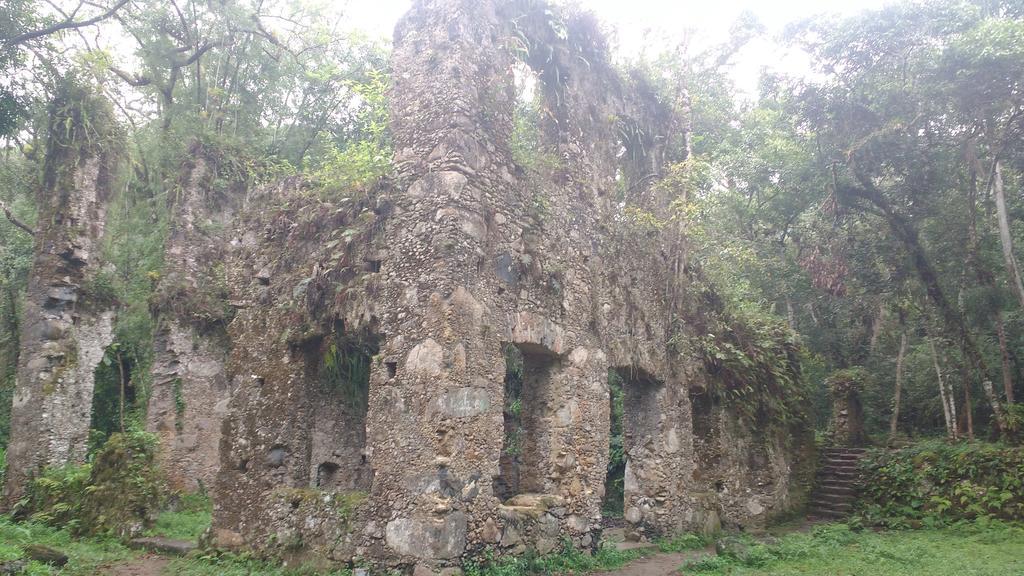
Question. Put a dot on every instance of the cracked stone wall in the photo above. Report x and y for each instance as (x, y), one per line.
(462, 253)
(67, 325)
(190, 389)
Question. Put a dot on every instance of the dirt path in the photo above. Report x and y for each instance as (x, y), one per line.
(147, 565)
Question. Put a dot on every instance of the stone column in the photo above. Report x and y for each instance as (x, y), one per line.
(435, 417)
(190, 389)
(66, 326)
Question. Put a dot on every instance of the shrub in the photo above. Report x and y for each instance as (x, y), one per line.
(118, 494)
(933, 482)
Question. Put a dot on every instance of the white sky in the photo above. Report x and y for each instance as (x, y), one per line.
(653, 25)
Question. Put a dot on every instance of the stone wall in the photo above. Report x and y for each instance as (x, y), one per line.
(465, 252)
(67, 324)
(190, 390)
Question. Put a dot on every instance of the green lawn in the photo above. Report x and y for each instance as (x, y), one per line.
(983, 549)
(185, 521)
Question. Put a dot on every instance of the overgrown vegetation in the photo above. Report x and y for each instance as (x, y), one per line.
(85, 555)
(118, 494)
(345, 369)
(186, 518)
(615, 480)
(567, 560)
(933, 483)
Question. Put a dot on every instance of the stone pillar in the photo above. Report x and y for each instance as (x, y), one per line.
(847, 425)
(190, 389)
(434, 421)
(66, 325)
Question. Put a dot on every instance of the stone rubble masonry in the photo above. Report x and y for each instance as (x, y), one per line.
(66, 329)
(428, 278)
(190, 389)
(462, 253)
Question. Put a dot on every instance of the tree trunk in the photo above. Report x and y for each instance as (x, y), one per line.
(997, 408)
(1004, 353)
(120, 369)
(905, 232)
(950, 422)
(876, 328)
(968, 411)
(1005, 239)
(899, 385)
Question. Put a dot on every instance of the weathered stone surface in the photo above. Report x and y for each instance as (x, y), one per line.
(64, 333)
(469, 254)
(188, 400)
(428, 538)
(46, 555)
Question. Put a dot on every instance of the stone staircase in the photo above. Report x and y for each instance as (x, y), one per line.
(836, 486)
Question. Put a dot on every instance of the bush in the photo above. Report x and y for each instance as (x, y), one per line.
(118, 494)
(933, 482)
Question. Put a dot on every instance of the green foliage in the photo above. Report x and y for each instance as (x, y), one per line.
(568, 560)
(179, 404)
(614, 488)
(754, 363)
(933, 482)
(217, 563)
(345, 369)
(512, 414)
(530, 149)
(683, 542)
(185, 519)
(358, 164)
(16, 181)
(990, 548)
(55, 497)
(86, 556)
(117, 494)
(846, 380)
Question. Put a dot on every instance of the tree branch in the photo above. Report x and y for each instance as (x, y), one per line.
(67, 24)
(14, 220)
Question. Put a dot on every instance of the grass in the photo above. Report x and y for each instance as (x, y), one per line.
(983, 548)
(238, 565)
(85, 555)
(989, 548)
(185, 521)
(567, 560)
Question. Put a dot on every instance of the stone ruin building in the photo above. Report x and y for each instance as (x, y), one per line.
(336, 374)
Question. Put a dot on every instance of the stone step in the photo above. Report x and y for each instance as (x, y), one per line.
(844, 487)
(163, 545)
(839, 471)
(822, 513)
(835, 494)
(832, 504)
(842, 456)
(844, 450)
(624, 546)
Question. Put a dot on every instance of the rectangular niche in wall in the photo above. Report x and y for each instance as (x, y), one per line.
(633, 425)
(340, 372)
(528, 420)
(705, 434)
